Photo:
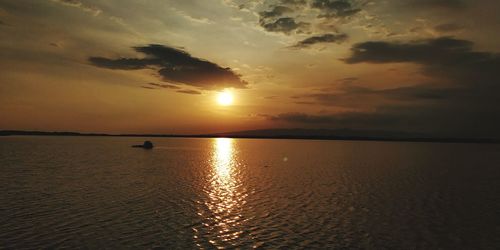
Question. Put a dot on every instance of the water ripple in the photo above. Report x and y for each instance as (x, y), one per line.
(229, 193)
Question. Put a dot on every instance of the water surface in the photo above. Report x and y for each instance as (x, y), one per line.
(98, 192)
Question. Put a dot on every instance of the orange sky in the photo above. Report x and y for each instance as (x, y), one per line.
(157, 66)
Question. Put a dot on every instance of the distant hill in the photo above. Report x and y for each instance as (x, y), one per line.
(295, 133)
(22, 132)
(300, 132)
(346, 134)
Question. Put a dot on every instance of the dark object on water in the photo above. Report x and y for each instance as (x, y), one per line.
(146, 145)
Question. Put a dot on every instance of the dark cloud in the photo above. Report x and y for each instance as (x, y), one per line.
(188, 91)
(123, 63)
(447, 4)
(352, 96)
(274, 19)
(152, 85)
(348, 79)
(444, 57)
(175, 65)
(302, 118)
(293, 2)
(443, 50)
(461, 100)
(283, 16)
(448, 27)
(342, 120)
(325, 38)
(164, 86)
(277, 11)
(335, 8)
(284, 24)
(419, 92)
(432, 121)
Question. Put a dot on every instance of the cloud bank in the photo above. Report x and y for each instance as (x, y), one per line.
(176, 66)
(325, 38)
(462, 100)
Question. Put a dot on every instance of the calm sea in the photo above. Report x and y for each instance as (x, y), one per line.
(98, 192)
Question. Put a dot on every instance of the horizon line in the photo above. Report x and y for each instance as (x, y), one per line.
(240, 136)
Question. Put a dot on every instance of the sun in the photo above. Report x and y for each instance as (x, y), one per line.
(225, 98)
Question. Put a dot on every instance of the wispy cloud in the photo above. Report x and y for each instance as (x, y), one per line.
(94, 10)
(324, 38)
(189, 91)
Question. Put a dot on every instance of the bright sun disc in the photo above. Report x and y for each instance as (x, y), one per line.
(225, 98)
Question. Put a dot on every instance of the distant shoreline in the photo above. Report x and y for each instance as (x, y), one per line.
(239, 136)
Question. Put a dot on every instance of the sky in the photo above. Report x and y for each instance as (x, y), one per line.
(150, 66)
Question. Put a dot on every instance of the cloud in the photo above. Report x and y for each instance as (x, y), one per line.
(325, 38)
(411, 93)
(335, 8)
(348, 79)
(123, 63)
(293, 2)
(444, 57)
(301, 16)
(164, 86)
(302, 118)
(152, 85)
(342, 120)
(273, 19)
(199, 20)
(425, 51)
(94, 10)
(445, 4)
(448, 27)
(176, 66)
(461, 99)
(284, 24)
(277, 11)
(188, 91)
(54, 44)
(433, 121)
(354, 97)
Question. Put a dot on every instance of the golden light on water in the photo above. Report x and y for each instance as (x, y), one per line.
(225, 194)
(223, 159)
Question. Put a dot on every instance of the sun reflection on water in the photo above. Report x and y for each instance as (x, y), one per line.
(223, 160)
(225, 195)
